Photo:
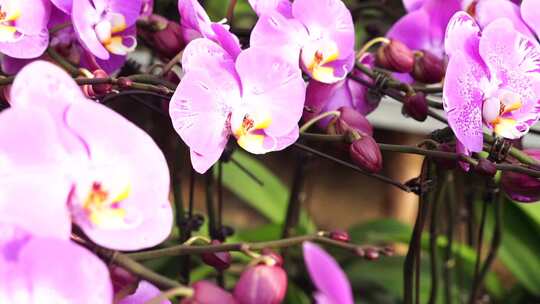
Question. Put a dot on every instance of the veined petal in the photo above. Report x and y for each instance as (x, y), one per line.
(463, 35)
(273, 85)
(200, 109)
(227, 40)
(206, 55)
(126, 157)
(463, 97)
(201, 163)
(416, 22)
(194, 17)
(33, 16)
(327, 276)
(514, 61)
(26, 46)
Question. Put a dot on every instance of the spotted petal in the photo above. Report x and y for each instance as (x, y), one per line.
(462, 98)
(463, 35)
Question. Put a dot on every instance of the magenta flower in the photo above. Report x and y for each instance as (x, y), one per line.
(321, 36)
(486, 11)
(112, 176)
(37, 269)
(332, 284)
(23, 28)
(144, 293)
(195, 23)
(322, 97)
(492, 78)
(258, 99)
(424, 26)
(106, 27)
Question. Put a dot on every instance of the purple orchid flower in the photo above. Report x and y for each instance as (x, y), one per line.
(115, 178)
(195, 23)
(424, 28)
(258, 99)
(332, 284)
(322, 97)
(321, 36)
(106, 27)
(144, 293)
(23, 27)
(26, 262)
(492, 79)
(486, 12)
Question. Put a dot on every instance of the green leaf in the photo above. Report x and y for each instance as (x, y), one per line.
(295, 295)
(269, 199)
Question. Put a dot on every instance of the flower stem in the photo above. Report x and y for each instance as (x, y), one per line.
(68, 66)
(371, 43)
(318, 118)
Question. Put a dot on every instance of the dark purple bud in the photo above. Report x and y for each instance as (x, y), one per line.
(340, 235)
(416, 106)
(123, 281)
(205, 292)
(349, 120)
(395, 56)
(428, 68)
(261, 284)
(124, 82)
(219, 260)
(521, 187)
(104, 88)
(445, 163)
(165, 36)
(365, 153)
(371, 254)
(486, 168)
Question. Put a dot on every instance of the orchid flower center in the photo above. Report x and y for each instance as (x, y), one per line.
(109, 31)
(9, 13)
(316, 55)
(249, 130)
(498, 111)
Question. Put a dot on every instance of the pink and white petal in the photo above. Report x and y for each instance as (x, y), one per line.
(206, 55)
(35, 199)
(201, 163)
(272, 85)
(462, 34)
(338, 28)
(463, 97)
(227, 40)
(119, 148)
(514, 61)
(285, 141)
(28, 47)
(326, 274)
(78, 277)
(194, 17)
(440, 13)
(84, 16)
(461, 149)
(530, 14)
(488, 11)
(262, 7)
(200, 107)
(34, 16)
(144, 293)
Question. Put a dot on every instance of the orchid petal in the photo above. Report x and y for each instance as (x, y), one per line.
(530, 14)
(462, 34)
(27, 46)
(34, 16)
(144, 293)
(488, 11)
(83, 17)
(262, 7)
(205, 55)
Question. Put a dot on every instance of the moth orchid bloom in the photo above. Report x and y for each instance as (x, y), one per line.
(322, 97)
(320, 35)
(195, 23)
(116, 178)
(258, 99)
(332, 284)
(493, 77)
(423, 28)
(26, 261)
(486, 11)
(23, 27)
(106, 27)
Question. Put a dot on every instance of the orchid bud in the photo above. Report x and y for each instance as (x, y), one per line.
(205, 292)
(371, 254)
(124, 83)
(521, 187)
(103, 88)
(486, 168)
(164, 35)
(278, 259)
(365, 152)
(445, 163)
(428, 68)
(218, 260)
(395, 56)
(339, 235)
(416, 106)
(261, 284)
(348, 120)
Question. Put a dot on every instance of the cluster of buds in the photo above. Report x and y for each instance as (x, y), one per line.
(521, 187)
(423, 65)
(165, 36)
